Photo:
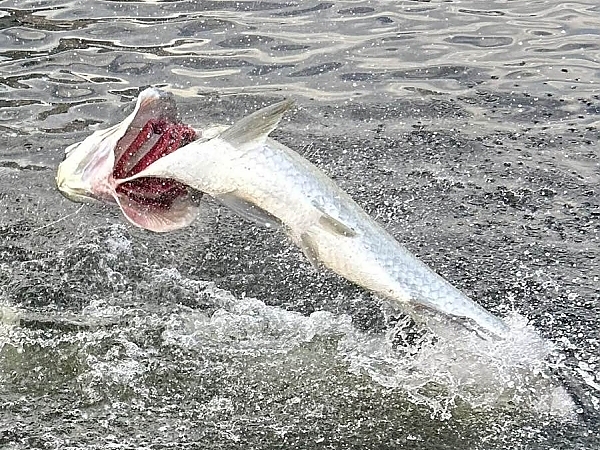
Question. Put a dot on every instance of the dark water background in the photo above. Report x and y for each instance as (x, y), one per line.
(469, 129)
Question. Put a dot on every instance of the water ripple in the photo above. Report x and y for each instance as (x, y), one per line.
(493, 107)
(348, 47)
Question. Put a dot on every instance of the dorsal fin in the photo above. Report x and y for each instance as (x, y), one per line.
(256, 127)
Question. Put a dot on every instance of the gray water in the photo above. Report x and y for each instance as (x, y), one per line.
(468, 129)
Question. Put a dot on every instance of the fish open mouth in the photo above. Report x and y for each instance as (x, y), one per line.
(157, 138)
(151, 132)
(101, 166)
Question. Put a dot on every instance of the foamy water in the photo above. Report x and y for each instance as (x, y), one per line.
(468, 130)
(435, 371)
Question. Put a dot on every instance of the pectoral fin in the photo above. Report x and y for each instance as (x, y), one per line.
(309, 249)
(248, 210)
(335, 226)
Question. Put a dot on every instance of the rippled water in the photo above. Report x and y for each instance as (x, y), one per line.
(469, 129)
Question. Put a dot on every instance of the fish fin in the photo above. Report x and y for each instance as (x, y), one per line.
(256, 127)
(248, 210)
(309, 249)
(335, 226)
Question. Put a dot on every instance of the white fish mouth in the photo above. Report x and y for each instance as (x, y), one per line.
(139, 148)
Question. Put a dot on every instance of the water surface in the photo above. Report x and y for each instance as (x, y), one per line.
(468, 129)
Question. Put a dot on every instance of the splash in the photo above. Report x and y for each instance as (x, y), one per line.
(247, 326)
(443, 371)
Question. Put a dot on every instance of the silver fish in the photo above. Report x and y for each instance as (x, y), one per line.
(264, 181)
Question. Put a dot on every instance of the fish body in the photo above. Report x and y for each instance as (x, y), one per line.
(271, 184)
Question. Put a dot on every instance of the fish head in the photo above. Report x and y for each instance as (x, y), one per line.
(86, 171)
(97, 168)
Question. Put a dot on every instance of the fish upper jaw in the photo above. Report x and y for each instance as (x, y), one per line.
(86, 172)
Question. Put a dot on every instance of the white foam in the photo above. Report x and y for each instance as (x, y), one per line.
(249, 327)
(437, 370)
(117, 243)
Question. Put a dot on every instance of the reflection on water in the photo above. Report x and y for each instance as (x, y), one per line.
(467, 128)
(73, 52)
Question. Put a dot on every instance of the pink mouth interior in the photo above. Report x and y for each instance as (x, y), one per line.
(157, 138)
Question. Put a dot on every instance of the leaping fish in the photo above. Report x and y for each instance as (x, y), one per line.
(151, 165)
